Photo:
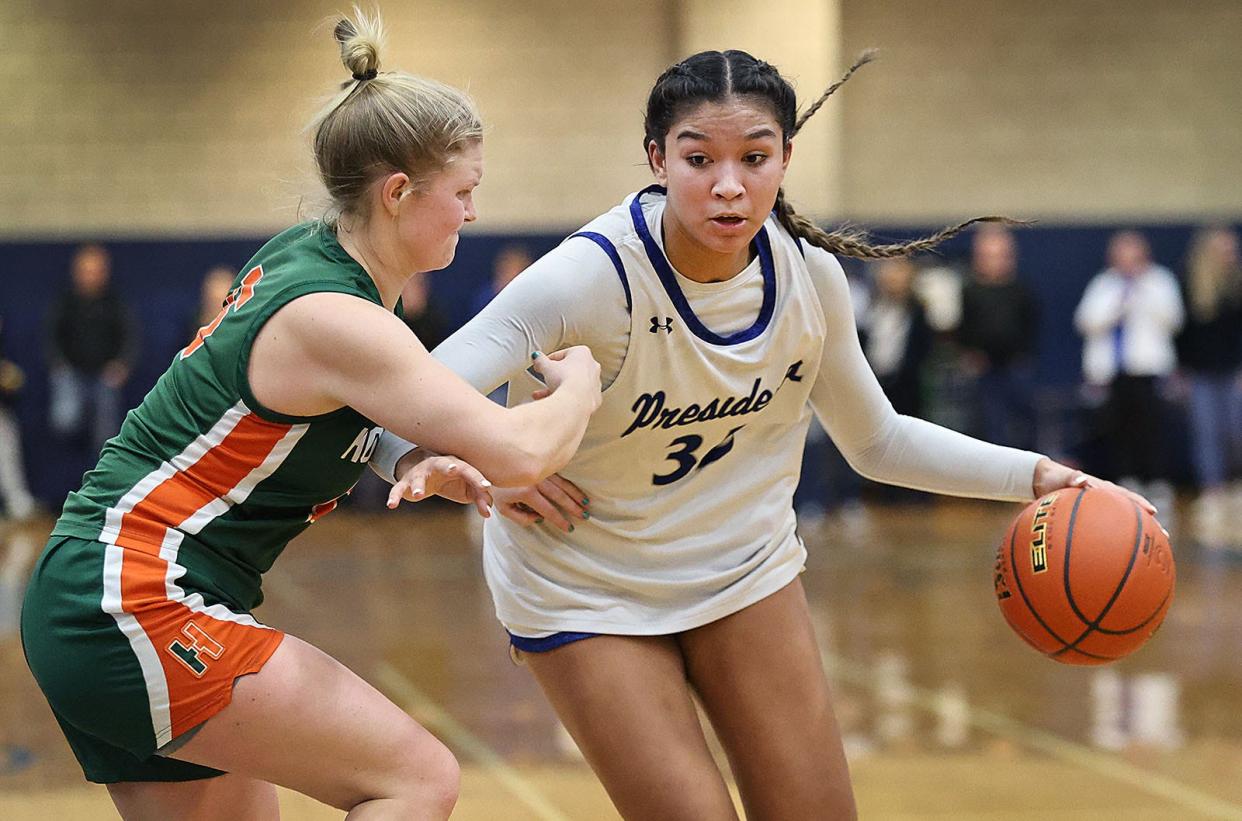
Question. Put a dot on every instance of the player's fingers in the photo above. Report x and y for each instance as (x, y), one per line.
(557, 356)
(565, 498)
(569, 487)
(395, 493)
(473, 478)
(542, 393)
(520, 513)
(1137, 498)
(482, 501)
(411, 488)
(548, 511)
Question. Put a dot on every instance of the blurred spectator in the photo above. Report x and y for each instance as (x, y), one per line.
(997, 333)
(18, 503)
(420, 314)
(897, 341)
(1210, 350)
(91, 352)
(214, 289)
(510, 261)
(1128, 317)
(896, 336)
(828, 486)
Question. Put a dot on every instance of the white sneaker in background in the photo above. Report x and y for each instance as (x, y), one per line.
(1160, 493)
(1209, 517)
(854, 520)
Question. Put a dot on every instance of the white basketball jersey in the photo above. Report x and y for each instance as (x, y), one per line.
(690, 463)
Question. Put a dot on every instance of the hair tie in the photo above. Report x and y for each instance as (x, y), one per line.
(369, 74)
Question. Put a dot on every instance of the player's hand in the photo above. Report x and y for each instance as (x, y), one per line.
(445, 476)
(574, 365)
(555, 500)
(1050, 476)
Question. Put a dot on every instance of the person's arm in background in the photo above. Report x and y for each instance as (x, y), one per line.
(1101, 307)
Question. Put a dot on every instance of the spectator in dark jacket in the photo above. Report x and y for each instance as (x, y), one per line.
(897, 338)
(91, 352)
(997, 334)
(1210, 355)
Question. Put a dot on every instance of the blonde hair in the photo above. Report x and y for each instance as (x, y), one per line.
(380, 123)
(1212, 282)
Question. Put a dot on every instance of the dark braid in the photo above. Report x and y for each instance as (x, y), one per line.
(866, 57)
(849, 242)
(710, 76)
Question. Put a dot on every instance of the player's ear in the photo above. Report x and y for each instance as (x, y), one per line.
(392, 188)
(655, 158)
(786, 154)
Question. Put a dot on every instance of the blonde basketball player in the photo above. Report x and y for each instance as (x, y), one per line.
(663, 561)
(136, 622)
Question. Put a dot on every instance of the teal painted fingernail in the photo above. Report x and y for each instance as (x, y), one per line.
(586, 514)
(571, 528)
(586, 501)
(535, 355)
(539, 521)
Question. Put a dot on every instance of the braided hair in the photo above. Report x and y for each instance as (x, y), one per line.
(713, 75)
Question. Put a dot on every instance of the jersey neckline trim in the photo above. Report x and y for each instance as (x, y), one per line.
(668, 278)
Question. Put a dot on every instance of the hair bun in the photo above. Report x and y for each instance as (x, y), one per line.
(344, 30)
(360, 36)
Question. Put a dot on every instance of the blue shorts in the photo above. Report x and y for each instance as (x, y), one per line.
(546, 643)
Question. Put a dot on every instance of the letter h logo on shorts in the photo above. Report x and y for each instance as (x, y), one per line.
(199, 644)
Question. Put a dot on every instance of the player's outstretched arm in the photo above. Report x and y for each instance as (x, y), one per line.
(326, 350)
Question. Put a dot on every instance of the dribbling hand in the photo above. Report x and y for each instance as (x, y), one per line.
(1050, 476)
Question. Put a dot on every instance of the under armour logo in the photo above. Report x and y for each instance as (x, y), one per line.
(656, 327)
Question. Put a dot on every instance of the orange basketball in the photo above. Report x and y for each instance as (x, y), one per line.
(1084, 575)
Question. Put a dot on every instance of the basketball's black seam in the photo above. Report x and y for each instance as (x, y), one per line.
(1069, 545)
(1141, 624)
(1017, 579)
(1094, 625)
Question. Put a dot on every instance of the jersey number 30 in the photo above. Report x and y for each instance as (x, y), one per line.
(684, 456)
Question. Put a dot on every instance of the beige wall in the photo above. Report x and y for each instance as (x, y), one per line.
(184, 117)
(1064, 109)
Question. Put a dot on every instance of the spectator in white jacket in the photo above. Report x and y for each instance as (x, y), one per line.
(1128, 317)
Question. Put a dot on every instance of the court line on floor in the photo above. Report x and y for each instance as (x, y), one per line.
(416, 702)
(1152, 783)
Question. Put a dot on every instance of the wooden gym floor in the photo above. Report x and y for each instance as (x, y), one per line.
(946, 714)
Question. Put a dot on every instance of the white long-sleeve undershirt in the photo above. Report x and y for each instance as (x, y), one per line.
(573, 296)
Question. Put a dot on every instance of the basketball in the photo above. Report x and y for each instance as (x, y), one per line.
(1084, 575)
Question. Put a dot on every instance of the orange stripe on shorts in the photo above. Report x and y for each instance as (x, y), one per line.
(200, 654)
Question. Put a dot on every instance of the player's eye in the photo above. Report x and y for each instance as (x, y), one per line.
(755, 158)
(697, 160)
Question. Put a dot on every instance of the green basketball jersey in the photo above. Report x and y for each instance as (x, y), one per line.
(201, 470)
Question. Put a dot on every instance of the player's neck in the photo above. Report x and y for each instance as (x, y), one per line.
(694, 260)
(389, 281)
